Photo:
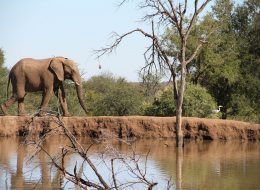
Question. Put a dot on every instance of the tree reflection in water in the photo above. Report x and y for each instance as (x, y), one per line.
(179, 160)
(208, 165)
(20, 173)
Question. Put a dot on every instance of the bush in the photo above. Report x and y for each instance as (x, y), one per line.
(107, 95)
(162, 106)
(3, 77)
(197, 103)
(241, 109)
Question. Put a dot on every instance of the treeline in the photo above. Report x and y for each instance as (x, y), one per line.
(112, 96)
(226, 72)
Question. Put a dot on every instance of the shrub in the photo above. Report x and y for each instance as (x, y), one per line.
(107, 95)
(197, 103)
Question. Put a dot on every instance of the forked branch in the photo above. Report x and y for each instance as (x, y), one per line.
(77, 176)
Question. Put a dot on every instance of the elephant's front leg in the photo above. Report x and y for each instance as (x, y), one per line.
(45, 100)
(63, 102)
(21, 109)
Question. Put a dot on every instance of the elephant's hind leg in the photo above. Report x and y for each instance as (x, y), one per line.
(20, 98)
(5, 106)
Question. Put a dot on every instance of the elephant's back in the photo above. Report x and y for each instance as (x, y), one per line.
(30, 72)
(33, 61)
(30, 64)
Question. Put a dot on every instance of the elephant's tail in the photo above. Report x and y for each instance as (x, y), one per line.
(9, 78)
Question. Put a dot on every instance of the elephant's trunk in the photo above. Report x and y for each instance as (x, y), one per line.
(80, 96)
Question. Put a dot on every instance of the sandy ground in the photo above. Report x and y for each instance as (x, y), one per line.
(133, 127)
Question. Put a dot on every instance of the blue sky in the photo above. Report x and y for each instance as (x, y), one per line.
(73, 29)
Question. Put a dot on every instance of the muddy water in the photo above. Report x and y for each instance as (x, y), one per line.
(201, 165)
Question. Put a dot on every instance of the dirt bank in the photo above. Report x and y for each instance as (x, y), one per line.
(134, 126)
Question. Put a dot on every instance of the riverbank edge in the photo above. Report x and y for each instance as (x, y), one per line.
(133, 127)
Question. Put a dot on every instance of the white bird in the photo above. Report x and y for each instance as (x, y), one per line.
(218, 110)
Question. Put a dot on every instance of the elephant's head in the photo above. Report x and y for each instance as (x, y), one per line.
(67, 69)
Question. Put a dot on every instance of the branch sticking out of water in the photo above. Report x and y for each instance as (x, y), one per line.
(79, 176)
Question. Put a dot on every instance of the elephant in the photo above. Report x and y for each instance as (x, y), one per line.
(47, 76)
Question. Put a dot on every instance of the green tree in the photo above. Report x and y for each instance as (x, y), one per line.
(228, 66)
(217, 66)
(246, 98)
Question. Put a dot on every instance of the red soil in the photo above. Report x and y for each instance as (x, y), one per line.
(134, 126)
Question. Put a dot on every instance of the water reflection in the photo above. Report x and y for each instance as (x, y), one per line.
(179, 162)
(200, 165)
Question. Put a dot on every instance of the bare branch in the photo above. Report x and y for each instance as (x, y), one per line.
(75, 176)
(156, 48)
(122, 2)
(185, 7)
(175, 18)
(110, 49)
(195, 15)
(194, 53)
(201, 42)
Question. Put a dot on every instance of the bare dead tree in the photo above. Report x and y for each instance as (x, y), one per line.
(79, 176)
(173, 14)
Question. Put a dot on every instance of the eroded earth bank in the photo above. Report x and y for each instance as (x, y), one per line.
(133, 127)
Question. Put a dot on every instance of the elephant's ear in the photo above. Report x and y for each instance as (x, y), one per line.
(57, 66)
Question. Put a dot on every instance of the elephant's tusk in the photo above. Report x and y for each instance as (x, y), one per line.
(77, 83)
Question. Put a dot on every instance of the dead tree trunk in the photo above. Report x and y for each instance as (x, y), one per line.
(179, 131)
